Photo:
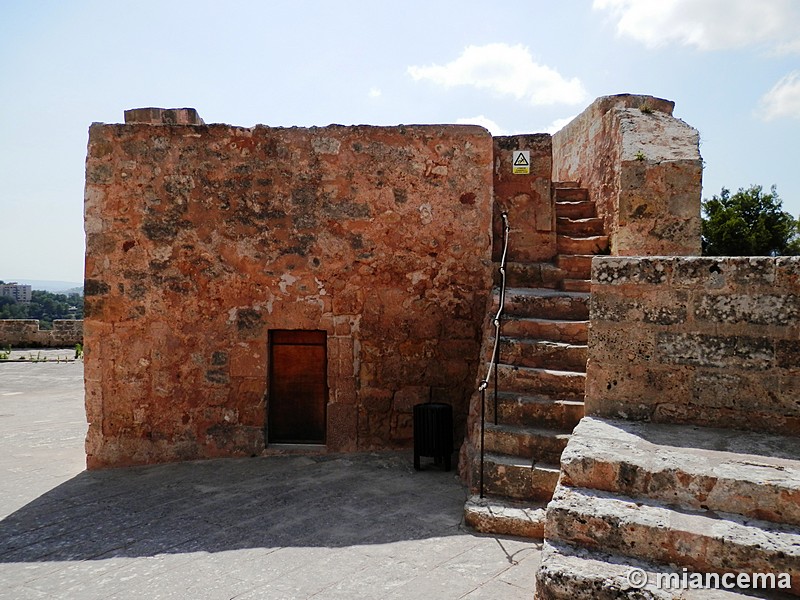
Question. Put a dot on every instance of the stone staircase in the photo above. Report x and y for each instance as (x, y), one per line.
(541, 374)
(670, 499)
(580, 235)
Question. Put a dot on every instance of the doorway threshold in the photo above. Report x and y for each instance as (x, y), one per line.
(294, 449)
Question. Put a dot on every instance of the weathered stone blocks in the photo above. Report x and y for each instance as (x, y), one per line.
(25, 333)
(201, 239)
(526, 198)
(163, 116)
(698, 468)
(710, 341)
(701, 541)
(643, 169)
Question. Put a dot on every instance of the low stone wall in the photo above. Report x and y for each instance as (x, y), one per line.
(25, 333)
(643, 168)
(705, 341)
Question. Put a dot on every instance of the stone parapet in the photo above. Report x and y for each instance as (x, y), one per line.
(25, 333)
(706, 341)
(643, 168)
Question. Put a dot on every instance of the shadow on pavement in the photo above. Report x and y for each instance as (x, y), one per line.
(230, 504)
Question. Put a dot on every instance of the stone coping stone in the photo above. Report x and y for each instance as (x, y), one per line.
(752, 474)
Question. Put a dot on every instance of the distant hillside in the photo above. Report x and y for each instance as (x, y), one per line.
(55, 287)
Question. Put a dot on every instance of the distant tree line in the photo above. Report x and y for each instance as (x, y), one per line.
(44, 306)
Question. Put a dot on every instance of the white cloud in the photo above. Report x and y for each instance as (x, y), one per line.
(783, 100)
(792, 47)
(558, 124)
(706, 24)
(483, 121)
(505, 70)
(375, 92)
(496, 129)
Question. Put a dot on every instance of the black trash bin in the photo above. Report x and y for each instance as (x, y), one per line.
(433, 433)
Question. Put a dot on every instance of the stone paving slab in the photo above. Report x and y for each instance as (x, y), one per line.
(283, 527)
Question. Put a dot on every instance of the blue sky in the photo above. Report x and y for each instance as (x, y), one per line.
(731, 66)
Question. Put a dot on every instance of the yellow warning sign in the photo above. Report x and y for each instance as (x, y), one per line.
(521, 162)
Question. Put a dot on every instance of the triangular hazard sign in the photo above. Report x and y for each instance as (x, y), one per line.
(521, 161)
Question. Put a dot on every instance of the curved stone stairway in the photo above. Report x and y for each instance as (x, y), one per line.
(541, 374)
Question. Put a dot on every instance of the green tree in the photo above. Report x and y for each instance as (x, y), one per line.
(749, 223)
(43, 306)
(11, 309)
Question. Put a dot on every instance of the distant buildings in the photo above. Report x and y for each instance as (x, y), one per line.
(19, 292)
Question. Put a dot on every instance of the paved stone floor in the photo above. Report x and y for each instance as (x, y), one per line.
(327, 527)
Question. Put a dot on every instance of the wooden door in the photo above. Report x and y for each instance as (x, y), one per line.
(298, 386)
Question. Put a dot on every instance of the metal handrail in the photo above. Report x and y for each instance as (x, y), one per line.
(496, 350)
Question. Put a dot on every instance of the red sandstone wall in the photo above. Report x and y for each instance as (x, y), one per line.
(642, 167)
(526, 199)
(707, 341)
(200, 239)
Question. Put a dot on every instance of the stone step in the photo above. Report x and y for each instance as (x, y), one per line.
(531, 275)
(577, 285)
(570, 194)
(595, 244)
(544, 303)
(571, 332)
(580, 227)
(581, 209)
(517, 478)
(704, 541)
(544, 354)
(566, 184)
(541, 411)
(543, 445)
(753, 474)
(505, 517)
(531, 381)
(568, 572)
(576, 266)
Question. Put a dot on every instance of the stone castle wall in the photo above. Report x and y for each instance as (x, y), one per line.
(707, 341)
(203, 238)
(642, 167)
(526, 199)
(25, 333)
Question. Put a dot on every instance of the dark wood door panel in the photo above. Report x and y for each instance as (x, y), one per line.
(298, 387)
